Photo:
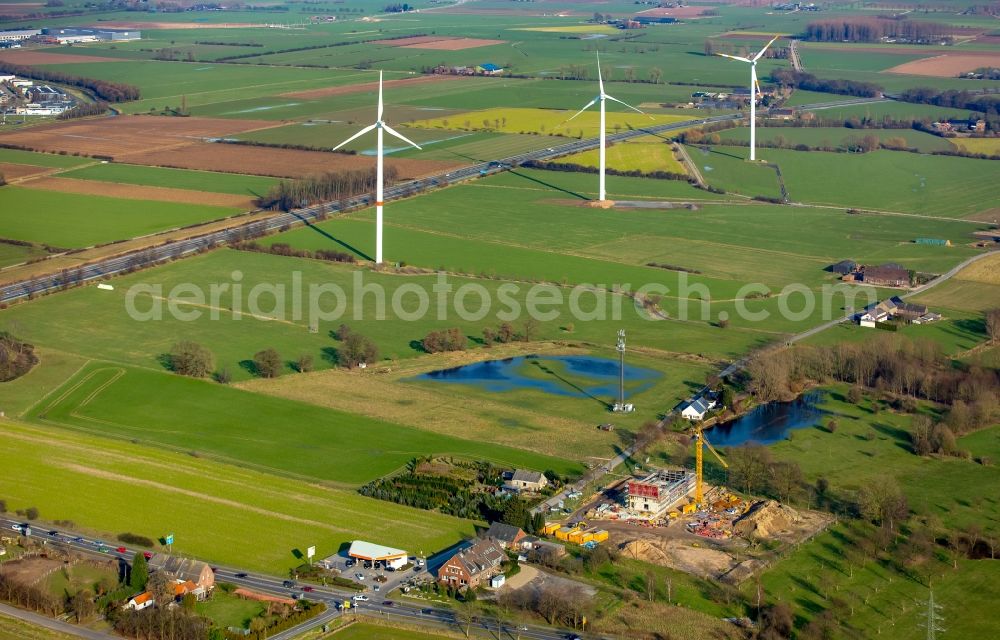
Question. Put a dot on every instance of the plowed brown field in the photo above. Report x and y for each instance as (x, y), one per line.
(139, 192)
(948, 65)
(326, 92)
(13, 171)
(124, 135)
(281, 163)
(454, 44)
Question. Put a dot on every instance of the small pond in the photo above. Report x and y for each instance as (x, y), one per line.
(769, 423)
(578, 376)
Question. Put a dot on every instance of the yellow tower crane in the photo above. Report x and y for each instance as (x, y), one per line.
(699, 442)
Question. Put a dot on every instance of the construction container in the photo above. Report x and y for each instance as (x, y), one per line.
(600, 535)
(563, 533)
(551, 527)
(586, 536)
(576, 537)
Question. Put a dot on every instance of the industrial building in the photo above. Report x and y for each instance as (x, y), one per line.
(657, 492)
(85, 34)
(18, 34)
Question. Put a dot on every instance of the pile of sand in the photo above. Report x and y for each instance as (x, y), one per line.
(766, 519)
(681, 555)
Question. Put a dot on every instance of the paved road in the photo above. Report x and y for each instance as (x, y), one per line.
(56, 625)
(427, 615)
(181, 248)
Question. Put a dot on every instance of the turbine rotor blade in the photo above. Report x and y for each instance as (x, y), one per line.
(614, 99)
(379, 96)
(356, 135)
(392, 131)
(741, 59)
(589, 105)
(600, 79)
(761, 53)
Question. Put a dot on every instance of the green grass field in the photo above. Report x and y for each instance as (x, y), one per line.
(14, 628)
(176, 178)
(906, 182)
(92, 481)
(16, 253)
(366, 631)
(892, 109)
(52, 160)
(726, 168)
(836, 138)
(227, 610)
(75, 221)
(956, 492)
(644, 154)
(287, 437)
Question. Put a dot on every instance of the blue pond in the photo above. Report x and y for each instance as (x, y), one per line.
(769, 423)
(579, 376)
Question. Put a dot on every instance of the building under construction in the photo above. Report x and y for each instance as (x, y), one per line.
(657, 492)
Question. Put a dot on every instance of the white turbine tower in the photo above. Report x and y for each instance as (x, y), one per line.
(602, 97)
(754, 91)
(379, 126)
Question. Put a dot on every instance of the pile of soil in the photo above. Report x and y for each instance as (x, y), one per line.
(678, 554)
(765, 520)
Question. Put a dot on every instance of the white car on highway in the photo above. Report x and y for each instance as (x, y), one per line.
(360, 598)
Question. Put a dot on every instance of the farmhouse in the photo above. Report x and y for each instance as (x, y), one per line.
(654, 494)
(523, 480)
(489, 69)
(506, 535)
(471, 566)
(894, 307)
(371, 552)
(186, 570)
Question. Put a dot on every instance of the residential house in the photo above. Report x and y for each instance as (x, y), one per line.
(523, 480)
(184, 587)
(506, 535)
(697, 407)
(781, 113)
(473, 565)
(184, 570)
(894, 307)
(887, 275)
(141, 601)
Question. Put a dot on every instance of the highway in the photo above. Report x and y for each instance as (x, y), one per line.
(145, 257)
(412, 613)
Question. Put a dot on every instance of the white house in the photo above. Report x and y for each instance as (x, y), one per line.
(697, 408)
(141, 601)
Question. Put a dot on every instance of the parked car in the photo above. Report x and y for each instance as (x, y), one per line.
(359, 576)
(376, 588)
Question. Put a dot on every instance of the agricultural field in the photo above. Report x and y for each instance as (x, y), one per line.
(14, 628)
(73, 221)
(836, 137)
(292, 438)
(207, 181)
(938, 186)
(891, 109)
(989, 146)
(726, 168)
(645, 154)
(367, 631)
(11, 254)
(47, 160)
(267, 515)
(545, 122)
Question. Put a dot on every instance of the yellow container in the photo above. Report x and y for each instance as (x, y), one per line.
(600, 535)
(551, 527)
(563, 533)
(586, 536)
(689, 508)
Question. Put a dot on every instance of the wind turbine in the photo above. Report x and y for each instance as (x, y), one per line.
(754, 91)
(379, 126)
(602, 97)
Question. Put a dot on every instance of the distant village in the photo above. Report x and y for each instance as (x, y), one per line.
(21, 96)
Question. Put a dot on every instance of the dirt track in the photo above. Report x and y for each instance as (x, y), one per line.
(139, 192)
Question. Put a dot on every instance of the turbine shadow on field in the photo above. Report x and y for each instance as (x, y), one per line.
(550, 185)
(349, 247)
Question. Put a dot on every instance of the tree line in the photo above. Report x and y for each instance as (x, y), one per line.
(103, 89)
(988, 104)
(84, 110)
(631, 173)
(285, 249)
(809, 82)
(325, 187)
(875, 29)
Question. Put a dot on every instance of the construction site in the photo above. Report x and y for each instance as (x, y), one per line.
(672, 517)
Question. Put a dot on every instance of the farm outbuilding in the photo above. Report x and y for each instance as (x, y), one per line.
(937, 242)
